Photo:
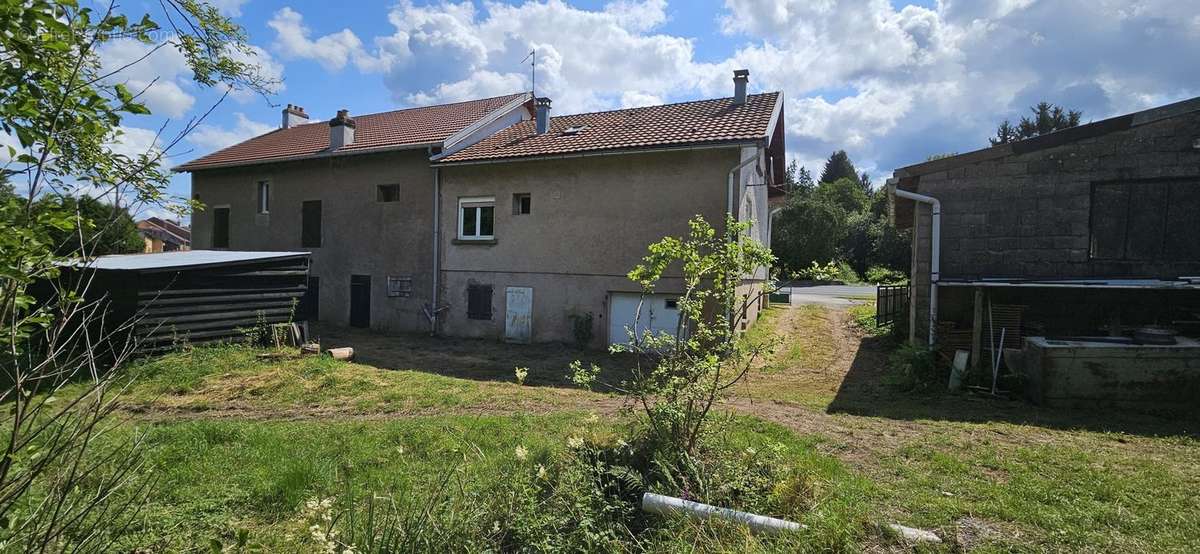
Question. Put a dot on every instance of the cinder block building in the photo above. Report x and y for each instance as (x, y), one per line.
(1092, 230)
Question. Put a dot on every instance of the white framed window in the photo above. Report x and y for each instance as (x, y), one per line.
(476, 218)
(264, 197)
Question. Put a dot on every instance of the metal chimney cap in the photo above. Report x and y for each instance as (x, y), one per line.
(543, 101)
(741, 74)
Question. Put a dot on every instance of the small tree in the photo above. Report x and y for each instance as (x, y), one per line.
(679, 378)
(1047, 118)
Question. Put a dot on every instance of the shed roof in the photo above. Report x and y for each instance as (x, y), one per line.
(671, 125)
(1057, 138)
(184, 259)
(412, 127)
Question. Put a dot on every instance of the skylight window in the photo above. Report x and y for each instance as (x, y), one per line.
(574, 129)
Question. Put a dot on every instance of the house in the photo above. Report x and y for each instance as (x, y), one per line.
(162, 235)
(507, 222)
(356, 192)
(1092, 230)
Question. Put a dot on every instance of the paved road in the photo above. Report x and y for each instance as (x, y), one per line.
(830, 295)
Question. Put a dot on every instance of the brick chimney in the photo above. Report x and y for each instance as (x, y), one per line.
(341, 130)
(293, 116)
(741, 77)
(542, 108)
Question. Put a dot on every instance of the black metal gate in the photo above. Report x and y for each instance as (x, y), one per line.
(891, 303)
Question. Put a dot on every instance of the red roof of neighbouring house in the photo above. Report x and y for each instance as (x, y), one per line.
(166, 230)
(686, 123)
(387, 130)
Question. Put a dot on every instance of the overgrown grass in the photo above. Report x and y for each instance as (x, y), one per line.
(215, 478)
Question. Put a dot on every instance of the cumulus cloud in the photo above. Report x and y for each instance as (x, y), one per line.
(332, 51)
(160, 77)
(213, 137)
(890, 84)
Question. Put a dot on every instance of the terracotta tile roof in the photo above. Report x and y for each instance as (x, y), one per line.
(166, 230)
(413, 126)
(703, 121)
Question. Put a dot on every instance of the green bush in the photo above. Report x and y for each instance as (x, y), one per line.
(831, 271)
(915, 367)
(884, 276)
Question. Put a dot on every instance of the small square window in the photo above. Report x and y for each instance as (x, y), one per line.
(387, 193)
(672, 304)
(475, 218)
(522, 204)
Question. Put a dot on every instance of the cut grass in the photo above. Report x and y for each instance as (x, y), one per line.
(234, 378)
(797, 371)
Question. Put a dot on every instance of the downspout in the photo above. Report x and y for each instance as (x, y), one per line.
(733, 185)
(935, 237)
(437, 196)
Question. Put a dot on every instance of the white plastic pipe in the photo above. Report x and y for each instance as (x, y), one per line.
(935, 262)
(669, 505)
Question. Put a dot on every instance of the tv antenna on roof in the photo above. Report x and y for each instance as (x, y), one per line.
(532, 56)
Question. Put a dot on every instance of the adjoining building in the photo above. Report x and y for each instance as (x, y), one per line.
(1085, 232)
(163, 235)
(491, 218)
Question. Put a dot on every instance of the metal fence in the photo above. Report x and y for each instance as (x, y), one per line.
(891, 303)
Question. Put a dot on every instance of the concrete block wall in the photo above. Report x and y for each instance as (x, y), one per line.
(1029, 215)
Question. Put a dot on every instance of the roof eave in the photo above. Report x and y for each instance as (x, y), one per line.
(319, 155)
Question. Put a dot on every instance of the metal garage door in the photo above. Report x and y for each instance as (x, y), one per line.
(659, 315)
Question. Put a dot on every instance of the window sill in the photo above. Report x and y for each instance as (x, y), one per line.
(481, 242)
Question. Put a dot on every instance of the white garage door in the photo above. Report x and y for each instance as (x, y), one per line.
(659, 314)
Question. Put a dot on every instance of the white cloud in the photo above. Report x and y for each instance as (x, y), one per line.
(160, 77)
(134, 141)
(891, 85)
(212, 137)
(332, 51)
(268, 68)
(232, 8)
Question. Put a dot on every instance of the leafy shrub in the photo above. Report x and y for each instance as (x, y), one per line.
(831, 271)
(885, 276)
(581, 328)
(915, 368)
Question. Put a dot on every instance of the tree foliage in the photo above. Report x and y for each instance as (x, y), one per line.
(1046, 118)
(679, 377)
(843, 220)
(66, 110)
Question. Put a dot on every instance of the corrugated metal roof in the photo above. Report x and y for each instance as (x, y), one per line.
(187, 258)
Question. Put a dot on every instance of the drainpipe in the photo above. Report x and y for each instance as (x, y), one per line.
(437, 196)
(935, 207)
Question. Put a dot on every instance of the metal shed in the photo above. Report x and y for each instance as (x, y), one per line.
(199, 296)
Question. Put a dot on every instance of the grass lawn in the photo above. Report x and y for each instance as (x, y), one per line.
(238, 441)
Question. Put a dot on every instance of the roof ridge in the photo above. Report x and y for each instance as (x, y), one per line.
(615, 110)
(443, 105)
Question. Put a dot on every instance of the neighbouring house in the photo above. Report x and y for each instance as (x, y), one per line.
(1089, 231)
(507, 223)
(163, 235)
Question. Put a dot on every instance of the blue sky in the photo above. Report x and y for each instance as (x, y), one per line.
(889, 82)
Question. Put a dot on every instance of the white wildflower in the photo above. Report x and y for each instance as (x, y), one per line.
(496, 526)
(592, 418)
(575, 443)
(522, 454)
(621, 443)
(541, 472)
